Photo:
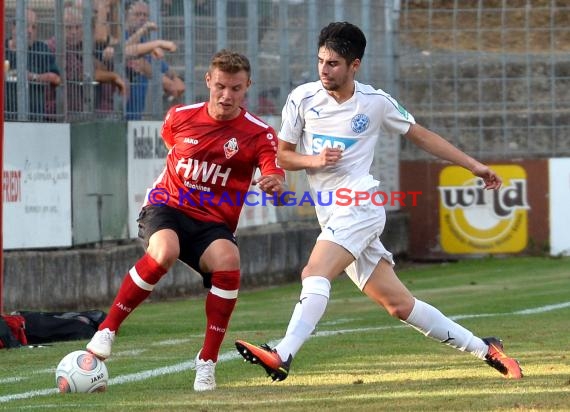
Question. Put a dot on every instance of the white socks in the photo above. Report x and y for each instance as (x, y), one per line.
(308, 311)
(424, 318)
(431, 322)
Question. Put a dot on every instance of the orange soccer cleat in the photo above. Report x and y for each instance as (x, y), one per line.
(497, 358)
(267, 357)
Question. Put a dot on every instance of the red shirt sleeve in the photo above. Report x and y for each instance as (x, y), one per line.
(168, 132)
(267, 151)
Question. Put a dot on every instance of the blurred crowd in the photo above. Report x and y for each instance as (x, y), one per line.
(66, 75)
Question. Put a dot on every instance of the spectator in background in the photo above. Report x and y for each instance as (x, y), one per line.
(42, 72)
(139, 49)
(106, 37)
(75, 85)
(105, 45)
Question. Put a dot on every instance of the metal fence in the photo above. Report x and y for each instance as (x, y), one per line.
(492, 76)
(279, 37)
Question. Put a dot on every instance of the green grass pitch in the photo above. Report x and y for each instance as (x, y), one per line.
(359, 358)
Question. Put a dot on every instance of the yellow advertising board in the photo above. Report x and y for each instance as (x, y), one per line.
(474, 220)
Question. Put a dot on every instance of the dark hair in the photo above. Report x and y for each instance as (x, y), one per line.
(230, 62)
(345, 39)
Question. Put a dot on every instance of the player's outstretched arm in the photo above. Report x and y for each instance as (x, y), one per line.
(289, 159)
(433, 143)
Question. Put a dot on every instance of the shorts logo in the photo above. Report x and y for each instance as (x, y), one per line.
(359, 123)
(475, 220)
(231, 147)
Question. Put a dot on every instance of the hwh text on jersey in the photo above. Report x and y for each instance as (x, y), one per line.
(202, 171)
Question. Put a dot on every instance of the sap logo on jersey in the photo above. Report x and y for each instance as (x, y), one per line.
(321, 142)
(475, 220)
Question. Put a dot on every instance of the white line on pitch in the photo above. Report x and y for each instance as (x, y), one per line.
(180, 367)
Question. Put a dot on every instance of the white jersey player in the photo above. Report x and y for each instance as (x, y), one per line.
(313, 120)
(335, 123)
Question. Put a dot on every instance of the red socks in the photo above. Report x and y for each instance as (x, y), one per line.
(220, 301)
(220, 304)
(136, 286)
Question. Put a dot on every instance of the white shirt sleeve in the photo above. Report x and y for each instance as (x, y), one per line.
(396, 118)
(292, 121)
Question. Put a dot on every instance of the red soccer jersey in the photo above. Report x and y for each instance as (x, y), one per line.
(211, 164)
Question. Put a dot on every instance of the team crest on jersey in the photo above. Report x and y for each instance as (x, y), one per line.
(359, 123)
(231, 147)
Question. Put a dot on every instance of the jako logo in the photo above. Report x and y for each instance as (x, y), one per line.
(475, 220)
(190, 140)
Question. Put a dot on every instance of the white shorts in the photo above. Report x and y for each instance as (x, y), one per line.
(358, 230)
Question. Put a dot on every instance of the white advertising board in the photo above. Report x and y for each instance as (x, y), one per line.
(36, 185)
(559, 176)
(146, 159)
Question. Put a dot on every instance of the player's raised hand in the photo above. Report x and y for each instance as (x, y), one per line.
(490, 177)
(270, 184)
(329, 156)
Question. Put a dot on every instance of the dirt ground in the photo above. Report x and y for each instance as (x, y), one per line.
(521, 26)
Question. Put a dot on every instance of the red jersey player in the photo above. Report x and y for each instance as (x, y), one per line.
(193, 208)
(211, 164)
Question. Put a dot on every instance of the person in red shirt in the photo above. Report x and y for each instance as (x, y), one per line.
(192, 210)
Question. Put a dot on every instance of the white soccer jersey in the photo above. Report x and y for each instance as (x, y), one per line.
(313, 120)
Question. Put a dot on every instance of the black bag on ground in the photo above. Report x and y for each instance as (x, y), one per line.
(46, 327)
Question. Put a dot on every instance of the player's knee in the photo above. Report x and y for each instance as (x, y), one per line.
(399, 310)
(394, 311)
(226, 261)
(165, 257)
(309, 270)
(164, 247)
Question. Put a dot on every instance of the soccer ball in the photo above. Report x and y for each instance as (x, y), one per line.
(81, 371)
